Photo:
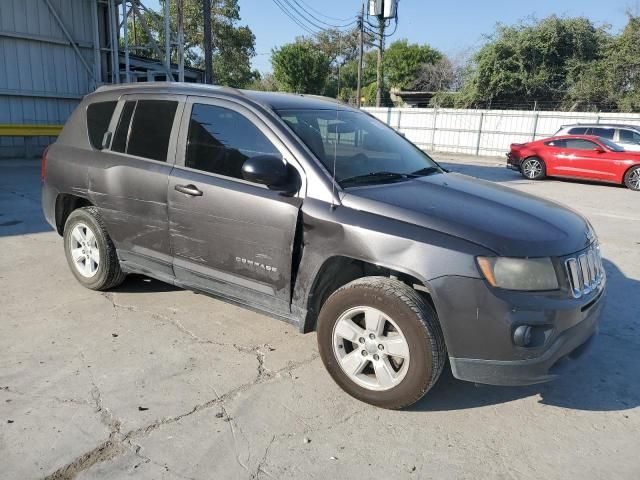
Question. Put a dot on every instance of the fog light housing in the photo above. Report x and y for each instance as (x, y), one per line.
(522, 336)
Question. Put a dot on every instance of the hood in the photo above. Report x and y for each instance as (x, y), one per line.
(504, 220)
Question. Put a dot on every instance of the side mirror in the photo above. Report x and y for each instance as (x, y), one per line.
(268, 170)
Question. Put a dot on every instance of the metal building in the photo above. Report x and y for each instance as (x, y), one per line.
(53, 52)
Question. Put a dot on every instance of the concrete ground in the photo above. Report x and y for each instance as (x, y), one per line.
(155, 382)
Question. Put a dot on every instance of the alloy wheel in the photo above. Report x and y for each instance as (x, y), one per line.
(532, 168)
(634, 179)
(370, 348)
(85, 253)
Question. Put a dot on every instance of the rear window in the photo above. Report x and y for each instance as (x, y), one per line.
(98, 118)
(629, 136)
(144, 129)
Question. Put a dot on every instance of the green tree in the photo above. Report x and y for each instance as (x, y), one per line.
(299, 67)
(233, 44)
(404, 61)
(532, 60)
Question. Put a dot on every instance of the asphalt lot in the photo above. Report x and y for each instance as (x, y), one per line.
(155, 382)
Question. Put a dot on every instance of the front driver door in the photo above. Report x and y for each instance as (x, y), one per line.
(230, 236)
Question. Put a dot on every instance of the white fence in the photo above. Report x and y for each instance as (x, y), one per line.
(484, 132)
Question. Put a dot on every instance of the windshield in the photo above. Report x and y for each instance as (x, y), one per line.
(614, 147)
(362, 149)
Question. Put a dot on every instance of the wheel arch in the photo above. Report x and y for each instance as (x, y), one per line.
(624, 174)
(336, 271)
(65, 204)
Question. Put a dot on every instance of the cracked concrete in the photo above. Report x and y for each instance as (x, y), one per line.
(154, 382)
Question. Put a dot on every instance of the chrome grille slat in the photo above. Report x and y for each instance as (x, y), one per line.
(585, 271)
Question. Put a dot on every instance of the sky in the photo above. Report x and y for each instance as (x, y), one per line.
(455, 27)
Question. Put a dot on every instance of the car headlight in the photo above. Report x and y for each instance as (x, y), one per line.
(530, 274)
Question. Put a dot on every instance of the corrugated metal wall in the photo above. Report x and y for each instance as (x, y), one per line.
(41, 77)
(484, 132)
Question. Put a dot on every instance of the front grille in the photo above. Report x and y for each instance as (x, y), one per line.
(585, 271)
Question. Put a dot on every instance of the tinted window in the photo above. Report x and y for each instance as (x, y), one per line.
(98, 118)
(220, 140)
(362, 149)
(629, 136)
(602, 132)
(556, 143)
(579, 144)
(151, 129)
(578, 131)
(119, 143)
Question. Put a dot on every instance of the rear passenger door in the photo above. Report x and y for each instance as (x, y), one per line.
(130, 187)
(231, 236)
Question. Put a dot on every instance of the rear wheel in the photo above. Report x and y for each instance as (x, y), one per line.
(632, 178)
(381, 342)
(90, 252)
(533, 168)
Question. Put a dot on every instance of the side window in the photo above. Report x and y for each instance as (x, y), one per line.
(119, 143)
(151, 129)
(220, 140)
(578, 131)
(602, 132)
(556, 143)
(629, 136)
(579, 144)
(98, 118)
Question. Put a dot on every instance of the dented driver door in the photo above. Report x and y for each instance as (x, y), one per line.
(229, 236)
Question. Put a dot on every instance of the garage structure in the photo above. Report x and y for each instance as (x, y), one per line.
(53, 52)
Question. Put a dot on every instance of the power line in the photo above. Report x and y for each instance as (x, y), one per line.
(323, 15)
(309, 21)
(294, 19)
(303, 21)
(352, 22)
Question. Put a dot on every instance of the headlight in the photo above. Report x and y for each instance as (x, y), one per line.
(529, 274)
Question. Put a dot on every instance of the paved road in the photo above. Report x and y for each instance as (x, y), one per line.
(155, 382)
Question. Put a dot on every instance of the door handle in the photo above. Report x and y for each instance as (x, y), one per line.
(189, 190)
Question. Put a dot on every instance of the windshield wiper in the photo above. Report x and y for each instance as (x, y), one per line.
(374, 177)
(424, 172)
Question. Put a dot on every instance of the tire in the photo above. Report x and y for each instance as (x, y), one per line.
(86, 238)
(406, 317)
(533, 168)
(632, 178)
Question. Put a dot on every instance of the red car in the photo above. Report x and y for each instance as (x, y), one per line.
(576, 156)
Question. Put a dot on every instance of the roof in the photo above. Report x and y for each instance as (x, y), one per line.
(602, 125)
(273, 100)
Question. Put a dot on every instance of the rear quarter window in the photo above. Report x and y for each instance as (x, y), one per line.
(98, 119)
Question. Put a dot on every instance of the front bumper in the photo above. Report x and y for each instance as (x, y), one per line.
(479, 326)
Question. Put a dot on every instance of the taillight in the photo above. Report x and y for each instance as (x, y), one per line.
(43, 164)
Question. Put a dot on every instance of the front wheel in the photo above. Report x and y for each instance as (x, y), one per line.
(381, 342)
(632, 178)
(533, 168)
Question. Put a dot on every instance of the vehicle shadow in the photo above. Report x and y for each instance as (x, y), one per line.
(135, 283)
(605, 378)
(20, 192)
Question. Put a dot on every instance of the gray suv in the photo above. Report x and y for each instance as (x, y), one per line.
(627, 136)
(322, 216)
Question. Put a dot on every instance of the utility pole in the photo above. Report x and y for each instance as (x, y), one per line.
(180, 15)
(360, 55)
(208, 66)
(167, 36)
(379, 73)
